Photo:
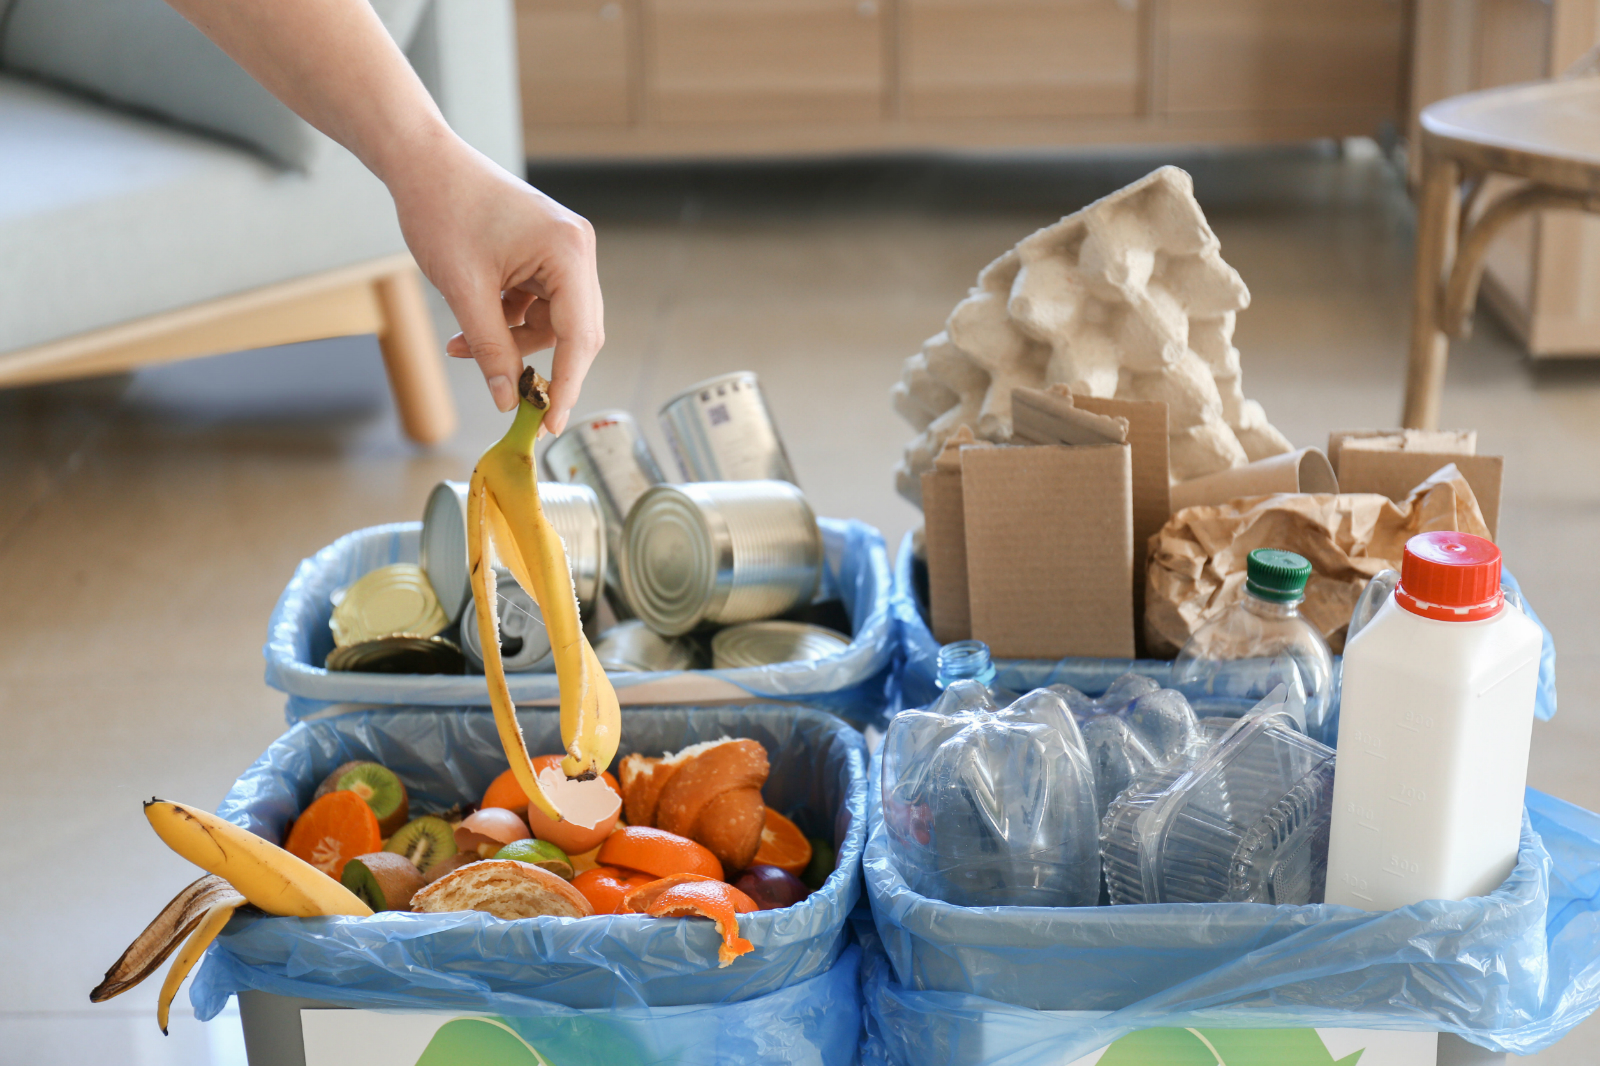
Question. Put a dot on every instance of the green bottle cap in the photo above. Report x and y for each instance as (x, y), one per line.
(1276, 575)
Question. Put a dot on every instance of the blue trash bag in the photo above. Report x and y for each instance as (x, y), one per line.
(919, 651)
(855, 684)
(469, 961)
(1512, 971)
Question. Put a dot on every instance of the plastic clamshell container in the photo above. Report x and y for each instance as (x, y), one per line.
(856, 683)
(468, 961)
(1238, 823)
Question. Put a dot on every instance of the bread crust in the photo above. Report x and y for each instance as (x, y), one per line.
(714, 798)
(504, 888)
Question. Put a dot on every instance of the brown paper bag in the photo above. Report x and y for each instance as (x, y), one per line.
(1197, 561)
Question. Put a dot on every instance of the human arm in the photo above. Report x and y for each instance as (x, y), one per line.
(517, 268)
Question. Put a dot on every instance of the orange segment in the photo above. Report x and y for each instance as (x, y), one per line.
(334, 830)
(783, 845)
(504, 791)
(697, 897)
(658, 852)
(605, 887)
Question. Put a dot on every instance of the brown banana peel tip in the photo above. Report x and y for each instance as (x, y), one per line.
(534, 388)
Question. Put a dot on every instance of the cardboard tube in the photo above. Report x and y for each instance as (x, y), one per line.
(1306, 470)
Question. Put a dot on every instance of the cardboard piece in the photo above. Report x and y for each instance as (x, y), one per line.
(1306, 470)
(945, 539)
(1363, 465)
(1437, 441)
(1049, 549)
(1055, 418)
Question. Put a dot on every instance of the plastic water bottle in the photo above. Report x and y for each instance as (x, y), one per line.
(1437, 718)
(1262, 642)
(969, 660)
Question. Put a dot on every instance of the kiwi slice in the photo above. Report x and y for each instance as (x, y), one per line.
(539, 853)
(383, 880)
(426, 841)
(376, 784)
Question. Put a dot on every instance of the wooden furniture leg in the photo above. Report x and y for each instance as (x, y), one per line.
(414, 359)
(1437, 223)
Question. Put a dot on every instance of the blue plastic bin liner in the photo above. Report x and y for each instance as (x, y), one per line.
(855, 684)
(919, 654)
(469, 961)
(1511, 971)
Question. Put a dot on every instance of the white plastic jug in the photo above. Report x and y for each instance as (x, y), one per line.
(1435, 723)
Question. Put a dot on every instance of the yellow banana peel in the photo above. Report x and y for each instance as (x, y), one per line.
(505, 521)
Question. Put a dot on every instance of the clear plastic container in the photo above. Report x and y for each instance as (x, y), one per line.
(988, 806)
(1266, 627)
(1246, 821)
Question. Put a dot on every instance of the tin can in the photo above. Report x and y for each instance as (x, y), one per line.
(524, 642)
(573, 509)
(766, 643)
(607, 452)
(633, 647)
(399, 655)
(719, 552)
(394, 600)
(722, 430)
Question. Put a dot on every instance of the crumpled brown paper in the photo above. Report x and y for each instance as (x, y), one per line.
(1197, 561)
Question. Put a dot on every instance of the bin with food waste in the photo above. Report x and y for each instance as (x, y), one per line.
(378, 853)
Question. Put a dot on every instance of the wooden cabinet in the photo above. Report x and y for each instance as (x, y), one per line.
(1283, 55)
(661, 78)
(764, 60)
(575, 62)
(1016, 58)
(1542, 274)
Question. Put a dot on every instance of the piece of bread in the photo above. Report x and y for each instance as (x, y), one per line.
(713, 796)
(641, 778)
(504, 888)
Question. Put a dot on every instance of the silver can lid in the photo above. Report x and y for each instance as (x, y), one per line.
(766, 643)
(524, 641)
(633, 647)
(394, 600)
(669, 561)
(444, 545)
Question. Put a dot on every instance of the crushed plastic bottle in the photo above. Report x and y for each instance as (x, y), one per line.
(991, 806)
(1262, 642)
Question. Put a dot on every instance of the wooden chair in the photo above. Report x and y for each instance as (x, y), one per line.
(1544, 135)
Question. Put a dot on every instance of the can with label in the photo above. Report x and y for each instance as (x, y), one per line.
(633, 647)
(606, 452)
(767, 643)
(524, 642)
(574, 510)
(722, 430)
(719, 552)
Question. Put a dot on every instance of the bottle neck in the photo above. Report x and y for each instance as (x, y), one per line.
(1264, 608)
(965, 660)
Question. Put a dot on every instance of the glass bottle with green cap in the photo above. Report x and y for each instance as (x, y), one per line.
(1260, 642)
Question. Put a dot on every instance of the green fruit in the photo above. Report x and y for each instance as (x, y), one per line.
(426, 841)
(375, 784)
(821, 864)
(538, 853)
(383, 880)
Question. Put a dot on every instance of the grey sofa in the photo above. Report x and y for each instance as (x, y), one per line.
(156, 203)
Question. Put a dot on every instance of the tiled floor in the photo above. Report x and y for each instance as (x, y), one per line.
(148, 524)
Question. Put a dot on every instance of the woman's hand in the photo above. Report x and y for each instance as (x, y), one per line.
(517, 268)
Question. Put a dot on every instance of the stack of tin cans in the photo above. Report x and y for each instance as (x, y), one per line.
(735, 545)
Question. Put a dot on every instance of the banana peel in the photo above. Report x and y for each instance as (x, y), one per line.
(506, 522)
(193, 918)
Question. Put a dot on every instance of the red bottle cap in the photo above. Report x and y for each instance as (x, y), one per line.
(1450, 577)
